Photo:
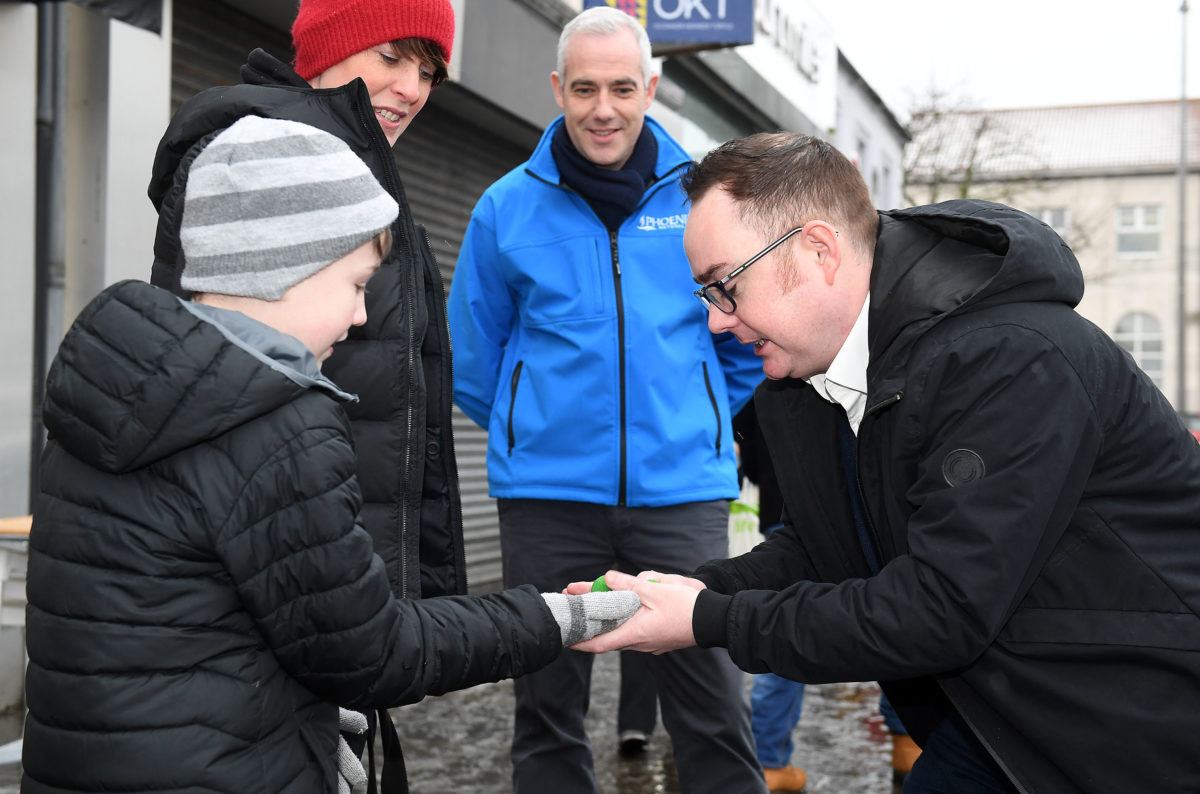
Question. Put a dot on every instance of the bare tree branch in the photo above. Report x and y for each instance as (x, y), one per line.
(958, 151)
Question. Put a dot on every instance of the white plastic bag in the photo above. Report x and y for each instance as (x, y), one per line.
(743, 521)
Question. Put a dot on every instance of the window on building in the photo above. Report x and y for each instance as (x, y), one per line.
(1141, 334)
(1139, 231)
(708, 118)
(1057, 218)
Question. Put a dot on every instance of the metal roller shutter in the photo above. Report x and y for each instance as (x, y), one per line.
(446, 161)
(209, 44)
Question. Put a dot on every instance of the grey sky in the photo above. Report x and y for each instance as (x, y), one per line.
(1019, 52)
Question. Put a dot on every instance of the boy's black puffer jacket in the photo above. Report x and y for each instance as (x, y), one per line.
(200, 592)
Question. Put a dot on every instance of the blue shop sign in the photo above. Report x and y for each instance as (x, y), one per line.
(700, 21)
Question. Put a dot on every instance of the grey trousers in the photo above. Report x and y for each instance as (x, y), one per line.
(701, 693)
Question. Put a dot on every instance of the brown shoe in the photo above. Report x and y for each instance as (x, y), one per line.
(904, 754)
(789, 778)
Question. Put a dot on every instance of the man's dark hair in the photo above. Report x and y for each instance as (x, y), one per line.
(781, 180)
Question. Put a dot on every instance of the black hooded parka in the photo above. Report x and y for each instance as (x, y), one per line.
(1034, 501)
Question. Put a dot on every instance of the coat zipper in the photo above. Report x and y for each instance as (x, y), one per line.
(623, 465)
(452, 483)
(394, 188)
(616, 263)
(512, 405)
(712, 399)
(982, 741)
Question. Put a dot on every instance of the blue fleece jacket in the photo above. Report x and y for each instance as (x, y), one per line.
(584, 354)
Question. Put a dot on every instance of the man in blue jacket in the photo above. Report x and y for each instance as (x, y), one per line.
(606, 398)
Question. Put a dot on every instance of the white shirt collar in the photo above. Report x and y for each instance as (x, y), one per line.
(845, 382)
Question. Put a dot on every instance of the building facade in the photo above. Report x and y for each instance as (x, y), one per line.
(868, 132)
(1115, 182)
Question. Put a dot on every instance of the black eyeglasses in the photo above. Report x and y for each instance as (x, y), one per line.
(715, 294)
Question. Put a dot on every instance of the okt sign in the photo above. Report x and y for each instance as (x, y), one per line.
(701, 21)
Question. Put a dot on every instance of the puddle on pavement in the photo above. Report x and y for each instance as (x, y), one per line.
(460, 741)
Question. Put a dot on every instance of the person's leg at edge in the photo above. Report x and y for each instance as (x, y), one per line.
(701, 692)
(775, 707)
(637, 708)
(550, 544)
(954, 762)
(904, 750)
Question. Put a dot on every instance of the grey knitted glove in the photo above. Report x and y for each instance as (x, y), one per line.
(581, 617)
(350, 768)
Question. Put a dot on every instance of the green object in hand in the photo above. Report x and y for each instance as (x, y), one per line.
(601, 586)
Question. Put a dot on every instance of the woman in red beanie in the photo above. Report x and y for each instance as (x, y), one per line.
(399, 49)
(358, 60)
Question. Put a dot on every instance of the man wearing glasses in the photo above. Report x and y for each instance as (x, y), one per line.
(606, 398)
(988, 507)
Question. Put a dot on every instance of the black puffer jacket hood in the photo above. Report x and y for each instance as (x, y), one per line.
(109, 404)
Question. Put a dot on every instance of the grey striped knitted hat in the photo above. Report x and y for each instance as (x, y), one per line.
(269, 202)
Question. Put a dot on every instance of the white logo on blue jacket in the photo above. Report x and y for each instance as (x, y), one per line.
(649, 223)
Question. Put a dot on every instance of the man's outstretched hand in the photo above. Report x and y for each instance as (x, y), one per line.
(664, 623)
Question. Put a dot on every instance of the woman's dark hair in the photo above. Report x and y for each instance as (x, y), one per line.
(426, 50)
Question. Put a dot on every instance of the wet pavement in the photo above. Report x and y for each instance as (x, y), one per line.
(459, 742)
(10, 772)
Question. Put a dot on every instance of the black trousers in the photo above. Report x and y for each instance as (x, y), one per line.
(701, 693)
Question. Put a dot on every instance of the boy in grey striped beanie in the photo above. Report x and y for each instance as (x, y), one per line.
(270, 202)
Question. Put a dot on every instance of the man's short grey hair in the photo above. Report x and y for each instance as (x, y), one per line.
(604, 20)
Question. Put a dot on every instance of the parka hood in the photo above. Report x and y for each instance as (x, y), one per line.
(961, 256)
(263, 68)
(141, 375)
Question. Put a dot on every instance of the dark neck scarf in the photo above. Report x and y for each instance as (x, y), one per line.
(612, 194)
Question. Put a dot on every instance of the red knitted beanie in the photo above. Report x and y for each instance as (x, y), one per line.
(327, 32)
